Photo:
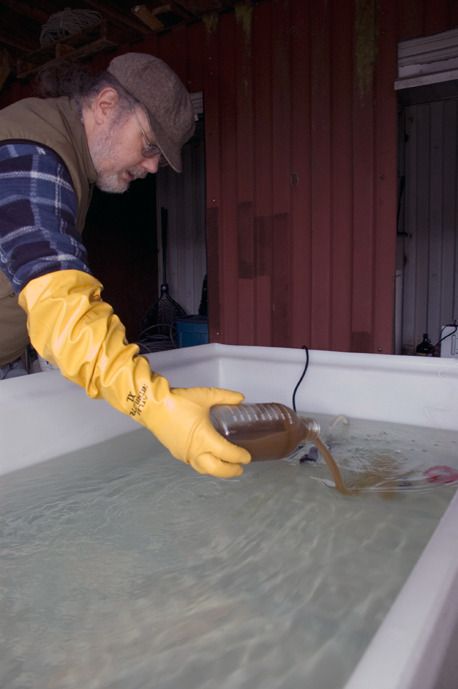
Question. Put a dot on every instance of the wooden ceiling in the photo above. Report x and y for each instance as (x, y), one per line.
(25, 27)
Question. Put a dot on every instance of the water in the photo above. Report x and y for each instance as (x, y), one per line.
(123, 569)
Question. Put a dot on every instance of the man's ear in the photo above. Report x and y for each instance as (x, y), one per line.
(104, 104)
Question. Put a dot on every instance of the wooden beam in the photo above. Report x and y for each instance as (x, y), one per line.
(176, 9)
(26, 69)
(147, 17)
(116, 16)
(200, 7)
(73, 47)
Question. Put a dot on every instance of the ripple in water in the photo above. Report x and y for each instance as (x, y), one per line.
(121, 568)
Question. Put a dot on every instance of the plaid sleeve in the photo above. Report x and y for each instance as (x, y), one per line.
(38, 208)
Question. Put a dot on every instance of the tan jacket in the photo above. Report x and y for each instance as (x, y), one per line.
(56, 123)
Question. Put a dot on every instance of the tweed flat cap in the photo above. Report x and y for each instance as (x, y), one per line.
(167, 102)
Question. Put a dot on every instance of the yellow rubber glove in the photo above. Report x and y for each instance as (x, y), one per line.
(72, 327)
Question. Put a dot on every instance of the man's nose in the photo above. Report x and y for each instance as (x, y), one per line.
(151, 164)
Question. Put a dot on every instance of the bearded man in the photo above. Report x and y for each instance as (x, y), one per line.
(109, 130)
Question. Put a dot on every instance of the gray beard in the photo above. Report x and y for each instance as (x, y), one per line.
(101, 150)
(111, 184)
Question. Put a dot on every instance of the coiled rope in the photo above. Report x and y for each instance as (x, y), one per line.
(66, 23)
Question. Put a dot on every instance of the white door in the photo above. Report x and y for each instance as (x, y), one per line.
(427, 257)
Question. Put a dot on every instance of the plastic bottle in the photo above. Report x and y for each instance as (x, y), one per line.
(271, 431)
(425, 347)
(267, 431)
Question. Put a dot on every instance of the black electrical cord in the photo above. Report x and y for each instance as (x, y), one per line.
(455, 325)
(302, 376)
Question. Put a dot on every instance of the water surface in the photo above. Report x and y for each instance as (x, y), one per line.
(123, 569)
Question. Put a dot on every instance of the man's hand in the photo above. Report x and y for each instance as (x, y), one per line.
(71, 326)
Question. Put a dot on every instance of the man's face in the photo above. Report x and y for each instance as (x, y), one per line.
(120, 151)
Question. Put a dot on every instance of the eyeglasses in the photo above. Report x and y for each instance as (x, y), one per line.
(150, 150)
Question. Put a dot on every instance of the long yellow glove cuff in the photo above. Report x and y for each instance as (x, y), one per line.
(72, 327)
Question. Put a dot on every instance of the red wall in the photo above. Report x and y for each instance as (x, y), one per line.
(301, 129)
(301, 132)
(301, 137)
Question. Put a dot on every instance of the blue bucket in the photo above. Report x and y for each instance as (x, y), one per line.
(191, 331)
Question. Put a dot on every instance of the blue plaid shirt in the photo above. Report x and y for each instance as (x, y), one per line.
(38, 209)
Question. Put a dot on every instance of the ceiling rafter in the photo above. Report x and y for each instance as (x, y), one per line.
(116, 16)
(21, 25)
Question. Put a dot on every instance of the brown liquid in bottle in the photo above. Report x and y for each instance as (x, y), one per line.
(271, 431)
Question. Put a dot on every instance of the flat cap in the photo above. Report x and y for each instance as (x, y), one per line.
(167, 102)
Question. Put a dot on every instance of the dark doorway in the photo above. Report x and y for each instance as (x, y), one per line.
(121, 240)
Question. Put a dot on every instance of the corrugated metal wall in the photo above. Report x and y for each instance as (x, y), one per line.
(301, 136)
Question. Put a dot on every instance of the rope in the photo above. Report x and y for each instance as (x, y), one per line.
(66, 23)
